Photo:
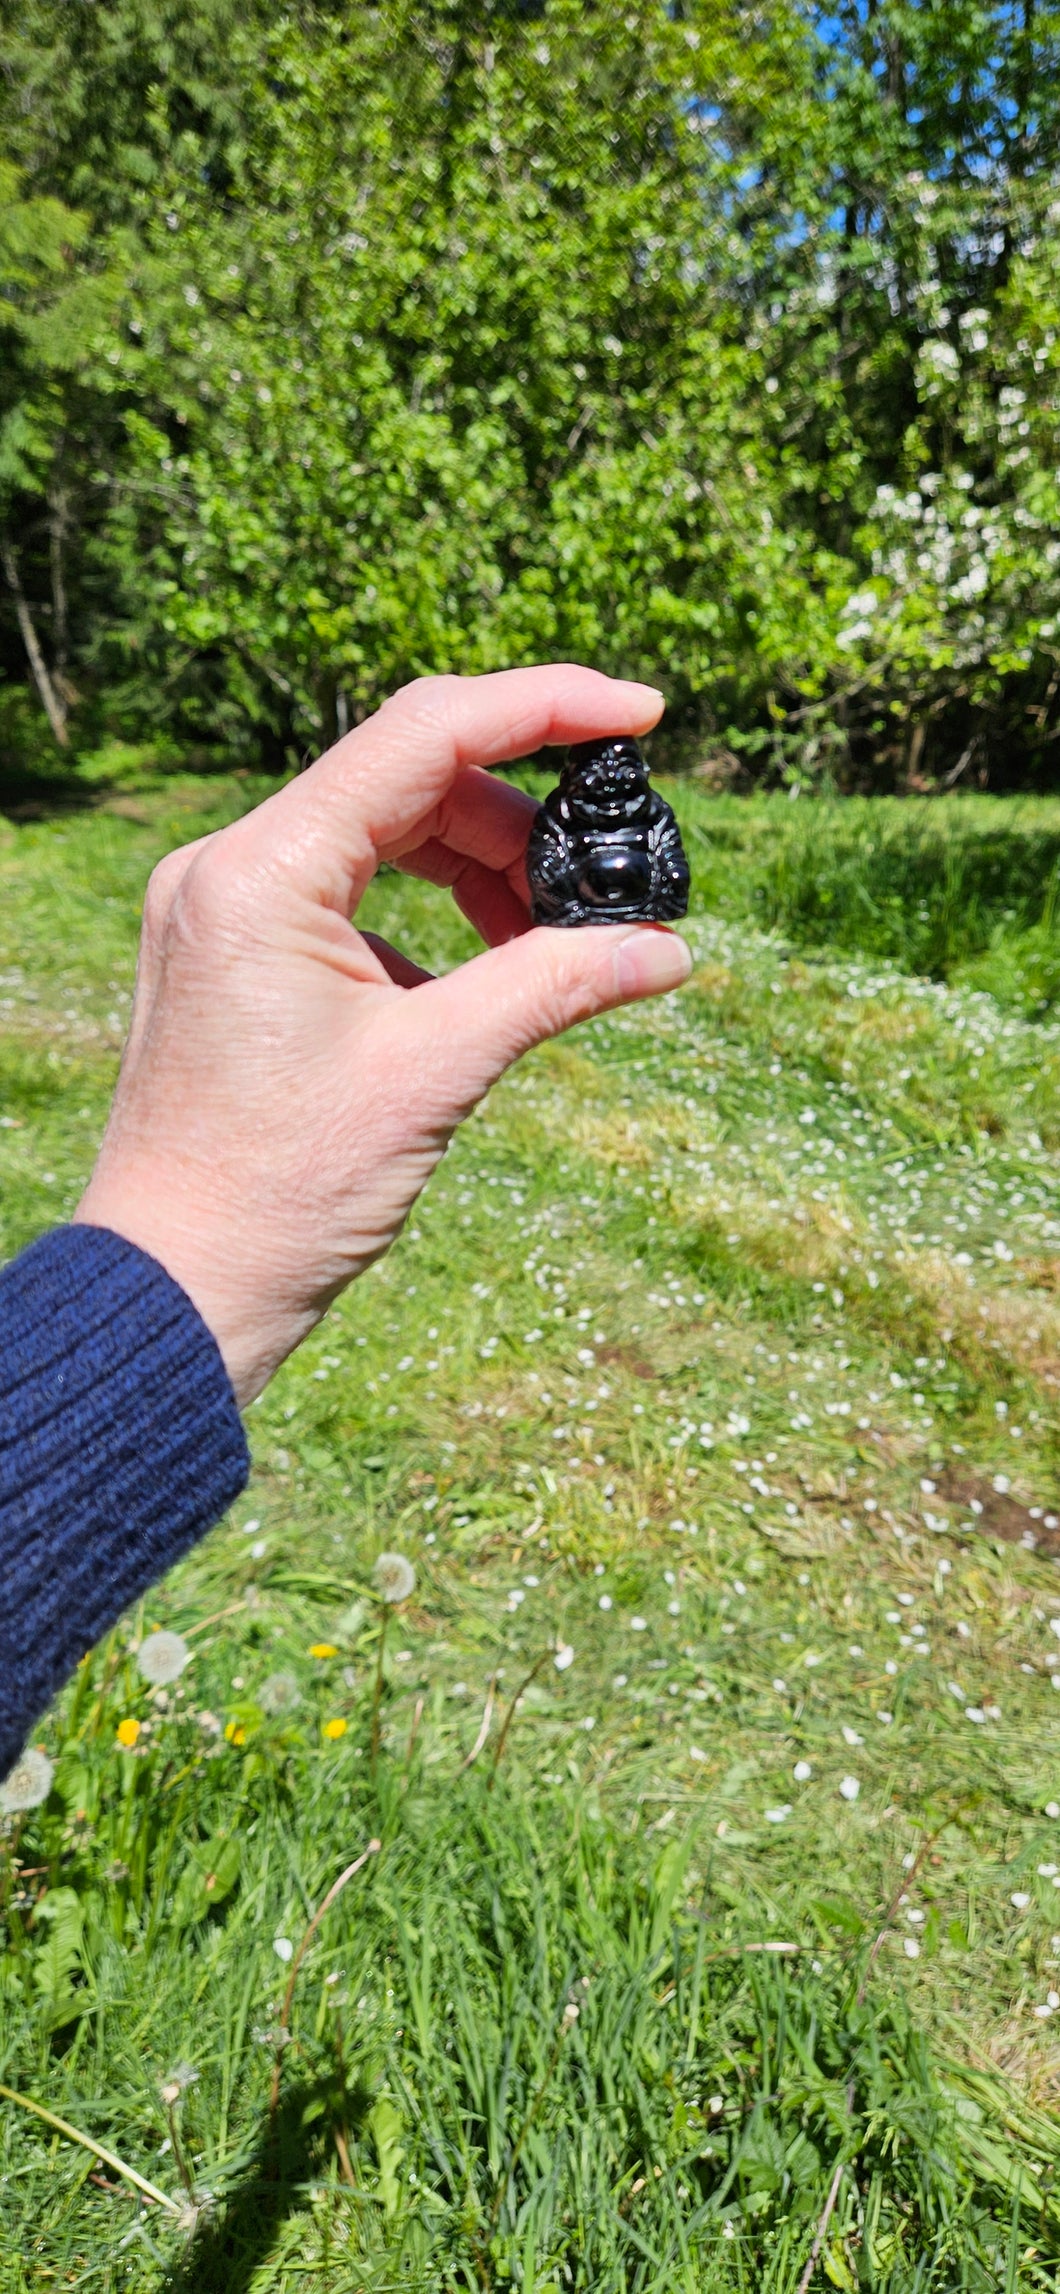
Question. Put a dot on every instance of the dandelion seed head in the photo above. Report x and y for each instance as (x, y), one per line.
(27, 1783)
(394, 1577)
(161, 1658)
(176, 2082)
(279, 1694)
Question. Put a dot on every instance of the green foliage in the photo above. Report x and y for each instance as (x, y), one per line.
(713, 347)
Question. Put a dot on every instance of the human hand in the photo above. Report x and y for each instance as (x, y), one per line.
(289, 1084)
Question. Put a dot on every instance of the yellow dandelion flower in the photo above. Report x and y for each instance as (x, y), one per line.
(128, 1731)
(323, 1649)
(334, 1729)
(235, 1734)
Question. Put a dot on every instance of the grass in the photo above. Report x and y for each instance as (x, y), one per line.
(723, 1352)
(963, 889)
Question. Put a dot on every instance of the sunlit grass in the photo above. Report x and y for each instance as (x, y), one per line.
(723, 1352)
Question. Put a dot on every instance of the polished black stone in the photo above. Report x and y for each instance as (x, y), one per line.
(605, 847)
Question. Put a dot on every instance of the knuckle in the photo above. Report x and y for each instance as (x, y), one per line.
(161, 891)
(428, 697)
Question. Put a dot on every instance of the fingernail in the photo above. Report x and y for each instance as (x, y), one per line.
(650, 961)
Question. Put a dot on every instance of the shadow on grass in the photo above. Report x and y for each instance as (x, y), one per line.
(29, 795)
(230, 2246)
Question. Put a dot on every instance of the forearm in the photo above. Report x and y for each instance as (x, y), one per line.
(120, 1445)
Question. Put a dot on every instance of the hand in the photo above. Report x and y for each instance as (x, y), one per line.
(289, 1083)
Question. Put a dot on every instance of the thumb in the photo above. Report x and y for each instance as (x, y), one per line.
(471, 1025)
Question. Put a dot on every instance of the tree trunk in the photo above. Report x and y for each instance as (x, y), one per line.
(57, 531)
(53, 706)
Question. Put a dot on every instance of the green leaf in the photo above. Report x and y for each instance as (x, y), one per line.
(385, 2125)
(209, 1876)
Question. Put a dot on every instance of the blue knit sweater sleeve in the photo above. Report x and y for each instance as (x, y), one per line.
(120, 1444)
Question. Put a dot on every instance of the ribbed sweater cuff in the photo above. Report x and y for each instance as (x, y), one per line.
(120, 1445)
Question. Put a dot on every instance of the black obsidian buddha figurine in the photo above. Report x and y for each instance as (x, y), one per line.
(605, 847)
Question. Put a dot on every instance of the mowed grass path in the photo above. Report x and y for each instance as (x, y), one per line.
(723, 1353)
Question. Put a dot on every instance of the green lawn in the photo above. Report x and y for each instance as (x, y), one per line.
(724, 1352)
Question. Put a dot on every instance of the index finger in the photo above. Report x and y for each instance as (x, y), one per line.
(380, 788)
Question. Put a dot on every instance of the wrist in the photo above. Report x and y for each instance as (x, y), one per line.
(252, 1339)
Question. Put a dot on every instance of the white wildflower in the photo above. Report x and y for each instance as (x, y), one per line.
(1020, 1898)
(777, 1815)
(162, 1658)
(283, 1948)
(394, 1577)
(27, 1783)
(849, 1787)
(911, 1947)
(802, 1772)
(564, 1656)
(638, 1624)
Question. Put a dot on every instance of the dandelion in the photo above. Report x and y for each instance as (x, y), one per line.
(162, 1658)
(27, 1783)
(127, 1732)
(283, 1948)
(323, 1649)
(564, 1657)
(235, 1733)
(849, 1787)
(333, 1729)
(394, 1577)
(177, 2081)
(278, 1694)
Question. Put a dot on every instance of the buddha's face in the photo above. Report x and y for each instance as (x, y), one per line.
(605, 783)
